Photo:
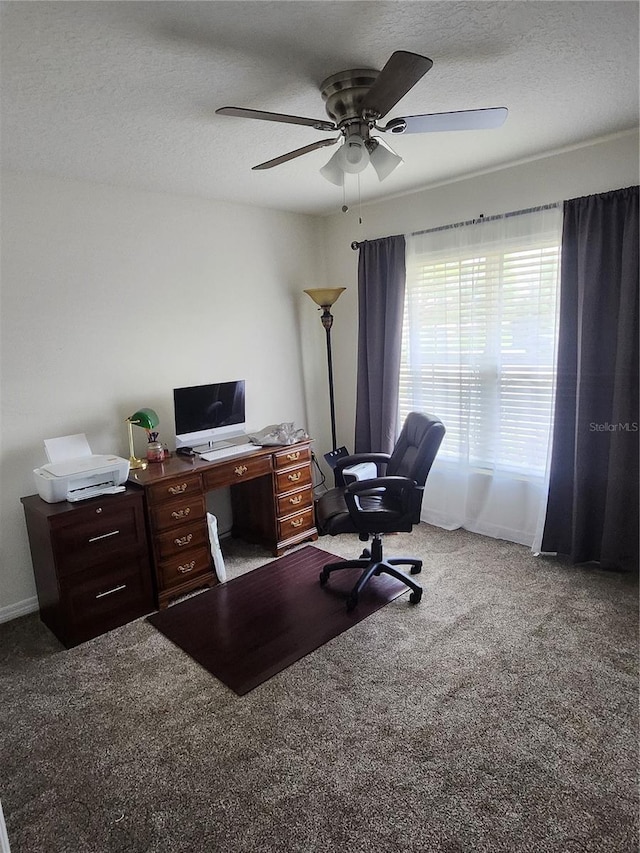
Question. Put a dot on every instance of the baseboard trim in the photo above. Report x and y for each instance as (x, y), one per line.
(15, 611)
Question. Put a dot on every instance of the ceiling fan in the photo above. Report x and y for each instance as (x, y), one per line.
(355, 101)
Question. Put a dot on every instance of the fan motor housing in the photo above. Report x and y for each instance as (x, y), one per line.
(343, 93)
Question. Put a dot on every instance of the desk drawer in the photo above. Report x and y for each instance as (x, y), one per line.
(293, 456)
(236, 471)
(180, 512)
(184, 567)
(178, 487)
(182, 539)
(288, 504)
(294, 478)
(295, 524)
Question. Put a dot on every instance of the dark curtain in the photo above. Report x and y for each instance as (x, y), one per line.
(592, 512)
(381, 286)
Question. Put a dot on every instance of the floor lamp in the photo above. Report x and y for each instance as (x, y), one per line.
(325, 298)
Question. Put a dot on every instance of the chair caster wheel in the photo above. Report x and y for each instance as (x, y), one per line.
(351, 603)
(415, 570)
(415, 597)
(324, 577)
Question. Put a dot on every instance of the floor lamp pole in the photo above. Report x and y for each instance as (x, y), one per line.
(325, 297)
(327, 322)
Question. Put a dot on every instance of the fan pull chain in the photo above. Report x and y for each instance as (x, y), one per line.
(359, 201)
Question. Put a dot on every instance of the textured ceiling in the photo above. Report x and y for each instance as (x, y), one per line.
(126, 92)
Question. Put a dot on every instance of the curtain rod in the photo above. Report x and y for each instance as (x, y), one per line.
(482, 218)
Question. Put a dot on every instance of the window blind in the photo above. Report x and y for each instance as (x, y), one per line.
(479, 337)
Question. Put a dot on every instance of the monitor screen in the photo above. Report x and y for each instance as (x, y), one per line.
(205, 413)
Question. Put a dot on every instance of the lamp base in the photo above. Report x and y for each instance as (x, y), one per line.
(137, 463)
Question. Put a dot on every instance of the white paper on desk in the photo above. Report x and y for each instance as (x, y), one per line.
(67, 447)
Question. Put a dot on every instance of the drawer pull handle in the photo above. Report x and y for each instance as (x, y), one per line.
(177, 490)
(111, 591)
(104, 536)
(240, 470)
(187, 567)
(295, 501)
(297, 522)
(295, 477)
(181, 513)
(183, 540)
(293, 457)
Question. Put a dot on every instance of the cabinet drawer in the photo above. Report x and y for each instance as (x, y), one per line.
(102, 599)
(182, 539)
(288, 504)
(180, 512)
(184, 567)
(295, 524)
(294, 478)
(237, 471)
(179, 487)
(97, 534)
(293, 456)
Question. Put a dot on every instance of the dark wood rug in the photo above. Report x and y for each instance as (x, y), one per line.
(248, 629)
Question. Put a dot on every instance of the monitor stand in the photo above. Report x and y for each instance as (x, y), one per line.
(230, 441)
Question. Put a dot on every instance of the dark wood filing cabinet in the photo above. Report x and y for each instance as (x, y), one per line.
(91, 564)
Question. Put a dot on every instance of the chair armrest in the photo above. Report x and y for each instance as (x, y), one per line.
(357, 458)
(393, 484)
(402, 488)
(403, 492)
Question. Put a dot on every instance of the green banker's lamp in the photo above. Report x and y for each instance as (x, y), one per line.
(147, 419)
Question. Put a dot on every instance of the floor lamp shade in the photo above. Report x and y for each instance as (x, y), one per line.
(325, 298)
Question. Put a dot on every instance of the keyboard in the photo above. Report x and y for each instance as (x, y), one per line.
(225, 452)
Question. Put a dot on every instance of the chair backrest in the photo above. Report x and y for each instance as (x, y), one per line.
(381, 510)
(415, 450)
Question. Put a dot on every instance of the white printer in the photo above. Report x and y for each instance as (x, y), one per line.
(74, 473)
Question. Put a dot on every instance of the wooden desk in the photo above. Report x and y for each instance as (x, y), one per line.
(271, 498)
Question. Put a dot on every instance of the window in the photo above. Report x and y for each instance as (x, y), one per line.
(479, 338)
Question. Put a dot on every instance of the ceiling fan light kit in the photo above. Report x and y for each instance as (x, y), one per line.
(383, 159)
(352, 156)
(355, 102)
(332, 171)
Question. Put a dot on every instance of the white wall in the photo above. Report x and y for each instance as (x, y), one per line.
(607, 165)
(112, 297)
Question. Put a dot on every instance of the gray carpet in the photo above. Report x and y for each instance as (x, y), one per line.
(500, 714)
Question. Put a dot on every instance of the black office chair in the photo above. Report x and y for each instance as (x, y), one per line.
(389, 503)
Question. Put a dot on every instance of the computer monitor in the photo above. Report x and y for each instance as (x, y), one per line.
(209, 415)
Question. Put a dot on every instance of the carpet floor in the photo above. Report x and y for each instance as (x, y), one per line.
(500, 714)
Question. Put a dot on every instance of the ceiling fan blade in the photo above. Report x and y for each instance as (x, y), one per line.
(241, 112)
(400, 74)
(322, 143)
(461, 120)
